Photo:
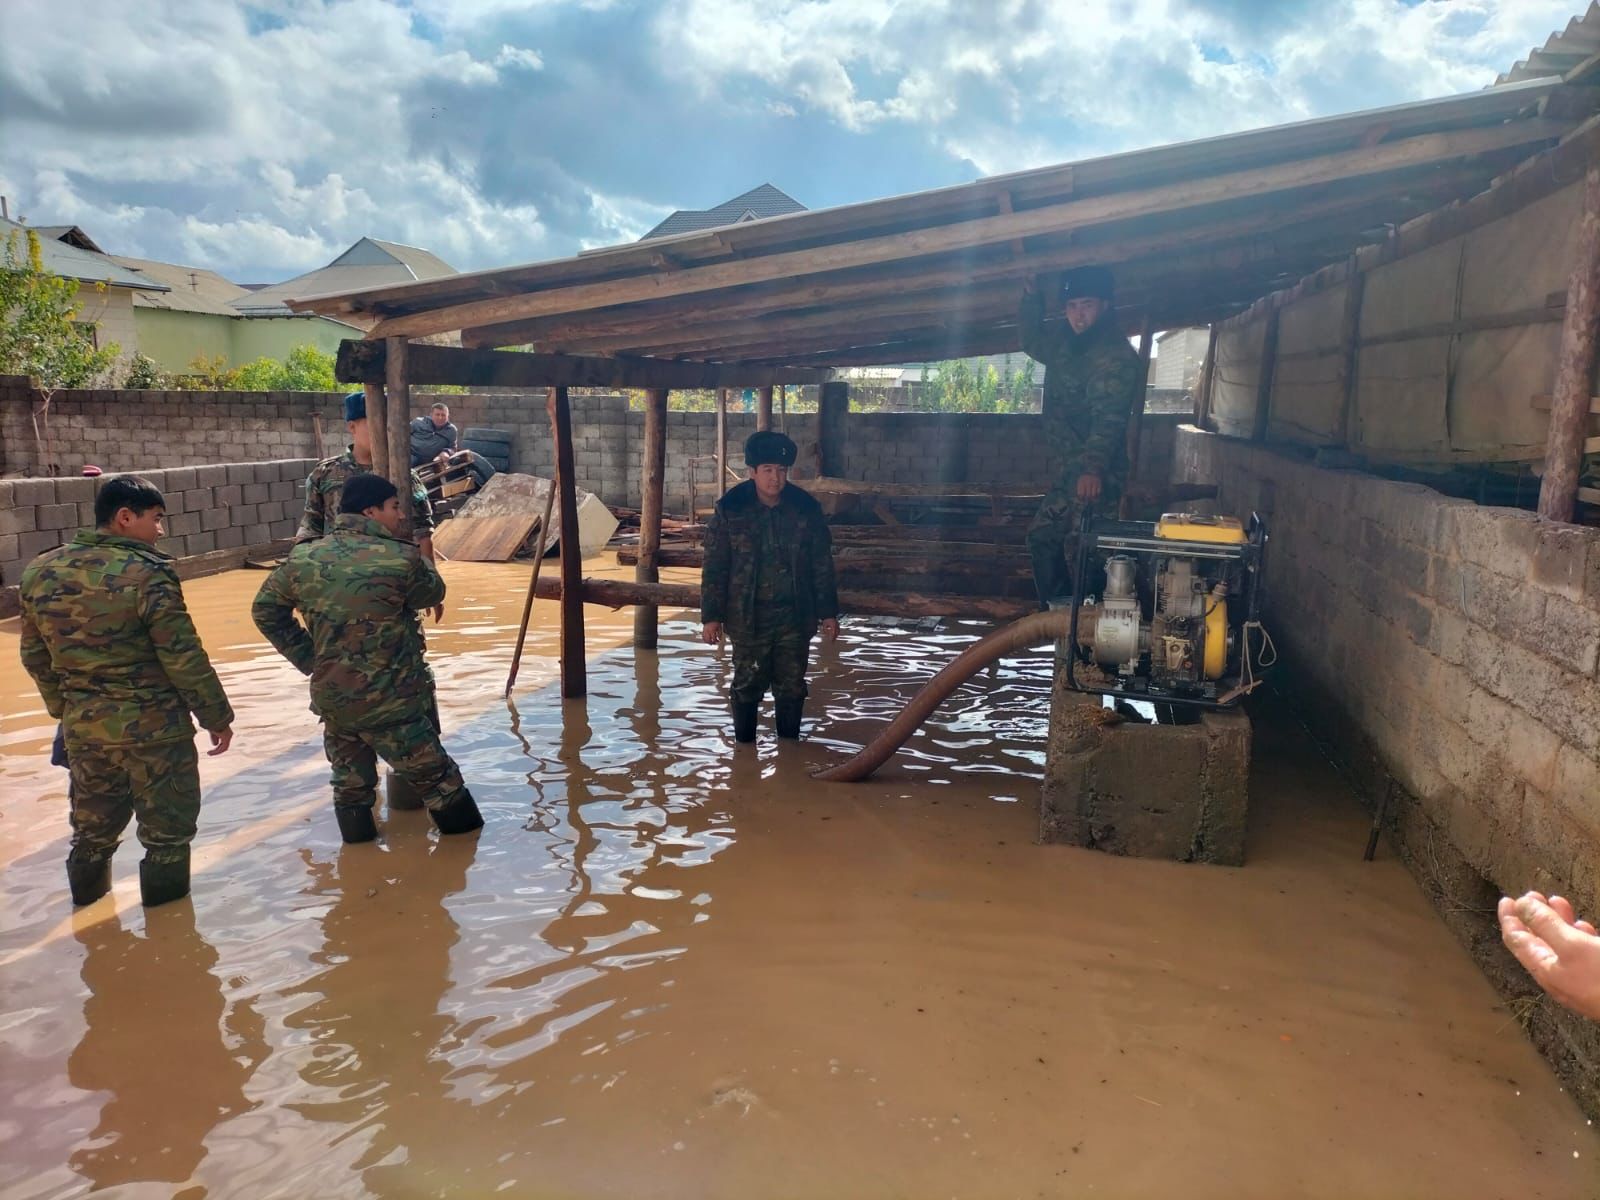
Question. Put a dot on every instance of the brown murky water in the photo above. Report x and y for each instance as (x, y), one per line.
(665, 969)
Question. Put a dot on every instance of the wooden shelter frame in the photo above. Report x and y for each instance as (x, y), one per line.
(1195, 232)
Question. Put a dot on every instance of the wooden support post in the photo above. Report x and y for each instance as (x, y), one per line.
(397, 389)
(783, 408)
(764, 409)
(722, 443)
(651, 489)
(1580, 332)
(1136, 415)
(1351, 344)
(1202, 392)
(574, 669)
(377, 428)
(1269, 363)
(833, 408)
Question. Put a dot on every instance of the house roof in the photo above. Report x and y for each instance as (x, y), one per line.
(70, 234)
(1562, 52)
(73, 262)
(758, 202)
(368, 263)
(184, 289)
(1195, 232)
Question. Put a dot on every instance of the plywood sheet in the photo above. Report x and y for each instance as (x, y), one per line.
(1413, 292)
(1516, 262)
(1400, 397)
(1235, 382)
(485, 539)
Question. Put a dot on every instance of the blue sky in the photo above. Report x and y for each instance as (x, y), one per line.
(260, 139)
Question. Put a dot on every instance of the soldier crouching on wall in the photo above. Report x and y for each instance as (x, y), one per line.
(361, 591)
(768, 584)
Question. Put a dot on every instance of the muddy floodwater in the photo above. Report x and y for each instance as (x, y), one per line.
(669, 969)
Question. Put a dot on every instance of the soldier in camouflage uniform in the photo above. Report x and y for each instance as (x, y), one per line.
(328, 477)
(1091, 383)
(360, 591)
(768, 584)
(107, 638)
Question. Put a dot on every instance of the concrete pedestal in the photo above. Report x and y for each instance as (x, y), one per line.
(1151, 791)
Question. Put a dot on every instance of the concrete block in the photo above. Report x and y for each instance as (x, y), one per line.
(85, 513)
(19, 519)
(280, 489)
(264, 472)
(229, 495)
(272, 510)
(1502, 539)
(200, 543)
(37, 542)
(181, 479)
(57, 516)
(33, 491)
(1577, 785)
(213, 518)
(1151, 791)
(9, 549)
(257, 535)
(241, 473)
(210, 477)
(255, 493)
(8, 499)
(74, 491)
(183, 524)
(243, 514)
(230, 539)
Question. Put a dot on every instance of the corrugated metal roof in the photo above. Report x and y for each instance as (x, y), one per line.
(368, 263)
(70, 262)
(1580, 40)
(192, 289)
(758, 202)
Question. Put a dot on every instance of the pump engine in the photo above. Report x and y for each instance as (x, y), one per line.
(1177, 619)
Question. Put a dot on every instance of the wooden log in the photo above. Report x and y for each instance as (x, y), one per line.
(397, 387)
(722, 442)
(974, 536)
(1350, 344)
(617, 593)
(651, 501)
(984, 564)
(377, 430)
(764, 409)
(1580, 335)
(1541, 403)
(828, 485)
(833, 413)
(363, 362)
(967, 235)
(574, 667)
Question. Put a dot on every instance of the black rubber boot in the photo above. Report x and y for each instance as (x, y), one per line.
(786, 717)
(402, 796)
(161, 882)
(460, 817)
(355, 824)
(744, 721)
(89, 879)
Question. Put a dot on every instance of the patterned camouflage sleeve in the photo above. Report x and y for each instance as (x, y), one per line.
(273, 613)
(421, 510)
(825, 591)
(425, 588)
(714, 573)
(1109, 393)
(313, 521)
(179, 651)
(36, 658)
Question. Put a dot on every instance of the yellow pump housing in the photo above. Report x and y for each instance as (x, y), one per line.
(1216, 644)
(1195, 527)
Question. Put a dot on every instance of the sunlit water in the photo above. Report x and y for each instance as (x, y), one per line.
(669, 968)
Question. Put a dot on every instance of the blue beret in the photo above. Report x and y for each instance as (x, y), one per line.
(1086, 281)
(769, 446)
(355, 406)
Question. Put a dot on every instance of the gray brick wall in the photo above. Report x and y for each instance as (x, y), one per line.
(39, 514)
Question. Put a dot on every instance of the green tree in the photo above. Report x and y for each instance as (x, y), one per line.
(39, 334)
(306, 369)
(144, 373)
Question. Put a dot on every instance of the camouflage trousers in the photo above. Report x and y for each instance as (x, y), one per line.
(157, 782)
(776, 660)
(1053, 538)
(411, 748)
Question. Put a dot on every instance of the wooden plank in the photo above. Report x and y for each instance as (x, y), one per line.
(968, 235)
(574, 666)
(364, 362)
(1541, 403)
(831, 486)
(722, 442)
(484, 539)
(1580, 341)
(651, 489)
(397, 388)
(377, 425)
(1589, 495)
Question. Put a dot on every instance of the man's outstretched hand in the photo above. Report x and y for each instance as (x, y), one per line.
(1561, 952)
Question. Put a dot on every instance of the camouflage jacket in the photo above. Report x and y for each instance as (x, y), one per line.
(730, 583)
(359, 592)
(325, 485)
(1091, 383)
(107, 638)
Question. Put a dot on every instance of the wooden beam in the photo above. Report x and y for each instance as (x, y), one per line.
(1541, 403)
(377, 430)
(574, 665)
(363, 362)
(1580, 335)
(1269, 367)
(1350, 344)
(651, 491)
(833, 414)
(764, 409)
(397, 387)
(722, 444)
(617, 593)
(969, 235)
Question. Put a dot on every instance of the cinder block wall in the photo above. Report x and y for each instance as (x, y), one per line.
(220, 507)
(1451, 650)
